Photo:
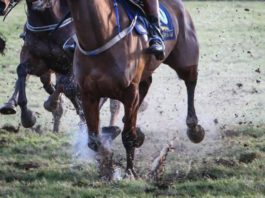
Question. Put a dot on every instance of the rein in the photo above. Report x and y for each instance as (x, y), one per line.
(68, 15)
(10, 7)
(47, 28)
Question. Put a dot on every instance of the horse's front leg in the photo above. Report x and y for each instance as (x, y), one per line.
(10, 106)
(27, 117)
(131, 137)
(91, 111)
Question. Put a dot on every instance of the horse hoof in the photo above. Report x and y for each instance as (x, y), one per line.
(196, 134)
(50, 105)
(140, 138)
(112, 131)
(130, 174)
(130, 141)
(143, 106)
(8, 109)
(27, 119)
(93, 146)
(94, 142)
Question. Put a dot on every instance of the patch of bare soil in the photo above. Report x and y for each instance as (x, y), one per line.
(10, 128)
(248, 158)
(3, 142)
(230, 133)
(25, 166)
(226, 162)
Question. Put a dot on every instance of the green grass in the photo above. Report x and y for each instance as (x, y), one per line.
(42, 165)
(55, 174)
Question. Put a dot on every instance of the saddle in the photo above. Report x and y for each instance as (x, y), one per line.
(136, 7)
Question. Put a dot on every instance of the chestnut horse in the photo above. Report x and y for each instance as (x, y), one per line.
(124, 70)
(41, 55)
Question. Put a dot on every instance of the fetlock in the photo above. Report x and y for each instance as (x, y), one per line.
(94, 142)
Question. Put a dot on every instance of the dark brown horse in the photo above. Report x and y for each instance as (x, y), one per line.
(124, 71)
(42, 54)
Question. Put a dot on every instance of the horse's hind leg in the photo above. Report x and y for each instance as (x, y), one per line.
(57, 115)
(54, 102)
(10, 106)
(195, 132)
(58, 110)
(51, 104)
(189, 74)
(27, 117)
(114, 111)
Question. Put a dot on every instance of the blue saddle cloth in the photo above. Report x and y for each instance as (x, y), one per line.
(166, 25)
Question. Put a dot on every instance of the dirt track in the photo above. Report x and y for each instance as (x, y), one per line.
(230, 88)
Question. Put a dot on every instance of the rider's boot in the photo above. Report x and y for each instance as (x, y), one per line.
(156, 44)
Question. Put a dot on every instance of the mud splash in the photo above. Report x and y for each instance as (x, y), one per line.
(81, 151)
(103, 158)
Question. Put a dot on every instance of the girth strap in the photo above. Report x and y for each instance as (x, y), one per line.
(110, 43)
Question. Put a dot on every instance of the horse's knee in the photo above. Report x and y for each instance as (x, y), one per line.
(47, 85)
(21, 71)
(46, 78)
